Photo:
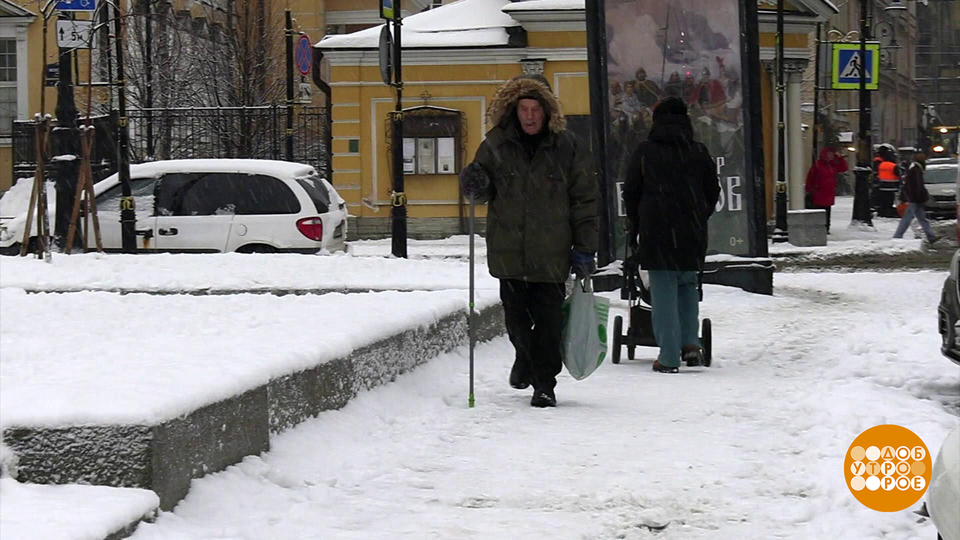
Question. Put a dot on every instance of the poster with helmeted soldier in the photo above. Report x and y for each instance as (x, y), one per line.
(690, 49)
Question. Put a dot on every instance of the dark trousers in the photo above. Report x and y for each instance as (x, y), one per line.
(827, 208)
(534, 324)
(885, 200)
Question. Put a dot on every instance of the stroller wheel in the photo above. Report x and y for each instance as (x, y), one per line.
(707, 340)
(631, 351)
(617, 330)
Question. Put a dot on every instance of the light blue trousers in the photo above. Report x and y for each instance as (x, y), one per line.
(675, 297)
(914, 210)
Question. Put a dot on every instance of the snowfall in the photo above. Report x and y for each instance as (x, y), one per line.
(751, 447)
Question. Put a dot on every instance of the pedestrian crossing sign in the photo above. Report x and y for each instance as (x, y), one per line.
(848, 66)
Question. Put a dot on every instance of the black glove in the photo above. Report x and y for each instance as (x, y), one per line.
(474, 182)
(583, 264)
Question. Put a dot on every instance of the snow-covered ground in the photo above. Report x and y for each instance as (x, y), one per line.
(70, 512)
(750, 448)
(237, 272)
(432, 265)
(849, 239)
(141, 359)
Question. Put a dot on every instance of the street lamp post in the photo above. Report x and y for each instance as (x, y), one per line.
(66, 143)
(861, 199)
(781, 185)
(288, 137)
(128, 215)
(398, 206)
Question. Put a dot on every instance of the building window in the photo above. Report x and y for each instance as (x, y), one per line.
(8, 85)
(429, 155)
(353, 146)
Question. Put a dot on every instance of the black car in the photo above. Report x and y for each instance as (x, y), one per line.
(949, 313)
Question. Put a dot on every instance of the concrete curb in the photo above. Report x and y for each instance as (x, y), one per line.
(167, 456)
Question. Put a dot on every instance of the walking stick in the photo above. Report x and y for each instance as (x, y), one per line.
(470, 322)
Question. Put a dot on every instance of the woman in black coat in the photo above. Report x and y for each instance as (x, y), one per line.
(671, 190)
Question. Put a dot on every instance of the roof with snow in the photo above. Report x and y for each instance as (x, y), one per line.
(464, 23)
(9, 9)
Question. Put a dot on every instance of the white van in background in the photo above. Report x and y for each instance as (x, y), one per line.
(218, 205)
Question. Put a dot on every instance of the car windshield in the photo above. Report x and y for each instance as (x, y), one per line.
(940, 175)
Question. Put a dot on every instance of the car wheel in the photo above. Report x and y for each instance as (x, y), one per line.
(256, 248)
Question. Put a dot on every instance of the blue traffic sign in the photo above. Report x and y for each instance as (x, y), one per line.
(76, 5)
(303, 55)
(849, 67)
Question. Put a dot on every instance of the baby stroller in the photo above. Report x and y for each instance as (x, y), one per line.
(640, 323)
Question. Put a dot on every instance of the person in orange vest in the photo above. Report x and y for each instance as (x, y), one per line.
(888, 181)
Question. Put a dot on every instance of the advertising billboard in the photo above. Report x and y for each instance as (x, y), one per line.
(691, 49)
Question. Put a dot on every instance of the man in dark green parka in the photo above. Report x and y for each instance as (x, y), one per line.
(542, 220)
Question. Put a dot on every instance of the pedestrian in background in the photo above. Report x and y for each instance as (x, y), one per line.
(888, 180)
(671, 189)
(915, 194)
(822, 180)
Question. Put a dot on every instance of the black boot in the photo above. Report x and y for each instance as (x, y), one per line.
(543, 398)
(660, 368)
(693, 357)
(519, 377)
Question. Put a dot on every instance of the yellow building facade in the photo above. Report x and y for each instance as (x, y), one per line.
(446, 68)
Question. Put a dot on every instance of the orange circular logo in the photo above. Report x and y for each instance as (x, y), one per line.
(887, 468)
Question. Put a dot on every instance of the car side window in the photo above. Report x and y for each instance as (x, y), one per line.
(211, 194)
(317, 191)
(257, 194)
(142, 190)
(191, 194)
(217, 194)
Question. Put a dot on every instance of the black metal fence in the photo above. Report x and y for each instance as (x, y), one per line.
(103, 162)
(198, 133)
(229, 132)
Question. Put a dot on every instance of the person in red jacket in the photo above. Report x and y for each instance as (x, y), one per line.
(822, 179)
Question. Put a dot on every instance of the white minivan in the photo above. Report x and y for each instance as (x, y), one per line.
(219, 205)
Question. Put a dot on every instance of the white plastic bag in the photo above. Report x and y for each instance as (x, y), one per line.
(584, 330)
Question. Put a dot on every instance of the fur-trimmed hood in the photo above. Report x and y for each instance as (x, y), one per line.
(505, 101)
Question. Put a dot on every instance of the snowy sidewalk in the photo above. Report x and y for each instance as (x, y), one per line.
(154, 391)
(751, 448)
(231, 272)
(142, 359)
(72, 512)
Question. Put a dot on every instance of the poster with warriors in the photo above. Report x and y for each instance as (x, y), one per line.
(690, 49)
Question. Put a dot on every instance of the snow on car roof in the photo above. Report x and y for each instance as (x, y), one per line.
(286, 169)
(545, 5)
(464, 23)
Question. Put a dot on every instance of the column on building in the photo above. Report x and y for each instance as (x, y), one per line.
(796, 176)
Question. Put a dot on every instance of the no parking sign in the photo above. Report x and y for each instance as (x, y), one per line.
(303, 55)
